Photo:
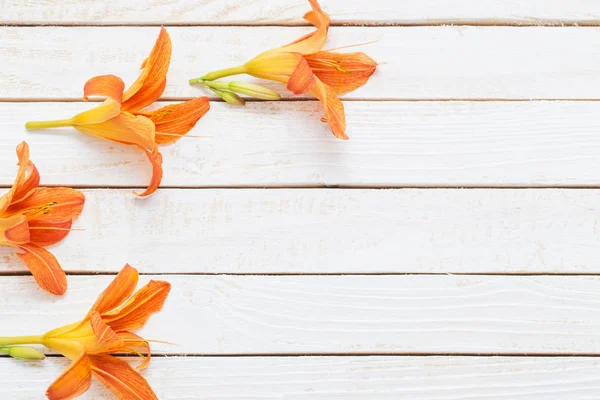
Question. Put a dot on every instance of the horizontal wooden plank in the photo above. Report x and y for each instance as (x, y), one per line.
(442, 62)
(286, 231)
(391, 144)
(389, 314)
(531, 12)
(320, 378)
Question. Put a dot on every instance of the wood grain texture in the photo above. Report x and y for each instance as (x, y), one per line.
(334, 231)
(392, 144)
(421, 62)
(395, 314)
(325, 378)
(260, 12)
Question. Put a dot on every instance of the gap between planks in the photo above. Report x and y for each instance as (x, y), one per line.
(329, 186)
(308, 99)
(292, 274)
(338, 24)
(325, 354)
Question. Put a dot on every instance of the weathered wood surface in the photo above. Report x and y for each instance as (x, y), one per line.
(441, 62)
(325, 378)
(344, 314)
(392, 144)
(261, 12)
(298, 231)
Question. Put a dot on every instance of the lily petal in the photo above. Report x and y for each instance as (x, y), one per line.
(48, 233)
(314, 41)
(137, 103)
(24, 183)
(334, 109)
(105, 85)
(125, 128)
(75, 381)
(146, 89)
(132, 341)
(302, 79)
(343, 72)
(110, 86)
(44, 268)
(174, 121)
(119, 290)
(14, 230)
(273, 66)
(103, 332)
(156, 160)
(145, 302)
(121, 379)
(50, 205)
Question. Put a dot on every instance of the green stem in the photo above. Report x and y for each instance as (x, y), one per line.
(15, 340)
(211, 76)
(59, 123)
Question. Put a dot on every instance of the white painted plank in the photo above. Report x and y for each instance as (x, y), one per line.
(389, 314)
(421, 62)
(285, 144)
(290, 12)
(325, 378)
(334, 231)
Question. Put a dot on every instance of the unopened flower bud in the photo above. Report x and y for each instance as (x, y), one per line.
(23, 353)
(256, 91)
(229, 97)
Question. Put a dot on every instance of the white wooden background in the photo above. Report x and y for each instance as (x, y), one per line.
(449, 250)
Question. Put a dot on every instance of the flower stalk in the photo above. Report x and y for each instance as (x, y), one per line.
(17, 340)
(59, 123)
(222, 73)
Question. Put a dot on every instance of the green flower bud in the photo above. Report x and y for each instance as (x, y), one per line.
(23, 353)
(229, 97)
(256, 91)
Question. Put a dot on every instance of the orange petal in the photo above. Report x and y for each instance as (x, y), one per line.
(156, 160)
(133, 342)
(44, 268)
(119, 290)
(27, 185)
(334, 109)
(174, 121)
(145, 90)
(14, 229)
(145, 302)
(273, 66)
(138, 102)
(50, 205)
(75, 381)
(26, 182)
(121, 379)
(125, 128)
(105, 85)
(23, 184)
(47, 233)
(302, 79)
(314, 41)
(103, 332)
(97, 115)
(343, 72)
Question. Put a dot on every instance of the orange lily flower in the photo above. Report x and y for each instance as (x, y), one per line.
(304, 67)
(121, 118)
(32, 218)
(105, 330)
